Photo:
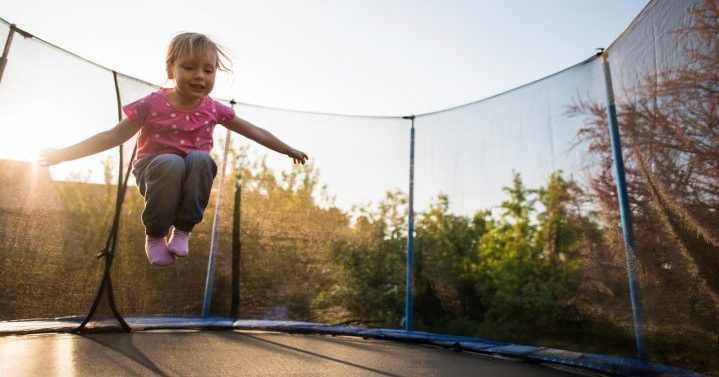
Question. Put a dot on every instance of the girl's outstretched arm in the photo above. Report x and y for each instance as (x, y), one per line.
(265, 138)
(94, 144)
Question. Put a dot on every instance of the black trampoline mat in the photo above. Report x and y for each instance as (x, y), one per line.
(242, 353)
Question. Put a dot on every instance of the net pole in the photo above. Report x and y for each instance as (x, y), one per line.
(624, 212)
(214, 241)
(408, 309)
(6, 50)
(236, 237)
(236, 242)
(8, 42)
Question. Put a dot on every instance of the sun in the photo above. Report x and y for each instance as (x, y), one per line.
(21, 145)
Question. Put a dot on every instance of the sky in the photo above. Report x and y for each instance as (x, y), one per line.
(369, 57)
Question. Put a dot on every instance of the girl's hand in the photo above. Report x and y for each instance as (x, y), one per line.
(50, 156)
(298, 157)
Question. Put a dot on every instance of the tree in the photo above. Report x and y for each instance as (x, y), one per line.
(669, 137)
(370, 258)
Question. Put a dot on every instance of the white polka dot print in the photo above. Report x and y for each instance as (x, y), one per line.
(173, 115)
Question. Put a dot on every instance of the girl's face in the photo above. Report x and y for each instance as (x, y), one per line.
(194, 76)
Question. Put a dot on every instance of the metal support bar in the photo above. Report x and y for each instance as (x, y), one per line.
(214, 242)
(6, 50)
(409, 308)
(236, 245)
(236, 239)
(624, 211)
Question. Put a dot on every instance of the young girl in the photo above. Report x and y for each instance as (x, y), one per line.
(174, 170)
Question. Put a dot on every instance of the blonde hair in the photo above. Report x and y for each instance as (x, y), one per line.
(196, 44)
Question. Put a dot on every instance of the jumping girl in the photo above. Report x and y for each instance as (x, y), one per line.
(174, 170)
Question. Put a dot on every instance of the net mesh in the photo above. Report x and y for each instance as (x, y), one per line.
(516, 236)
(667, 108)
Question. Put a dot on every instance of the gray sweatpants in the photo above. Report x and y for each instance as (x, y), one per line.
(176, 190)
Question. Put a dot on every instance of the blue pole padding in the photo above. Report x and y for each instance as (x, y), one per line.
(624, 212)
(215, 238)
(408, 309)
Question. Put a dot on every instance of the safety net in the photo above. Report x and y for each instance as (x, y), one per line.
(507, 212)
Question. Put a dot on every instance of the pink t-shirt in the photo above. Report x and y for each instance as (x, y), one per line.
(167, 129)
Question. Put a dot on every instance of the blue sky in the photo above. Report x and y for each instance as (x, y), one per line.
(373, 57)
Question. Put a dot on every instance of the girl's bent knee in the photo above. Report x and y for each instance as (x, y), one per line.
(165, 165)
(202, 160)
(170, 161)
(199, 156)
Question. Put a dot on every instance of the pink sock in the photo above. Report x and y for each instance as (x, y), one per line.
(157, 252)
(179, 243)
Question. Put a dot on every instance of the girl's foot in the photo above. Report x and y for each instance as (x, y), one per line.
(179, 245)
(157, 252)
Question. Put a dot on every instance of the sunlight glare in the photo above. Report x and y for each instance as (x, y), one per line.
(24, 356)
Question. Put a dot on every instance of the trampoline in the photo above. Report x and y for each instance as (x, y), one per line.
(512, 253)
(242, 353)
(215, 346)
